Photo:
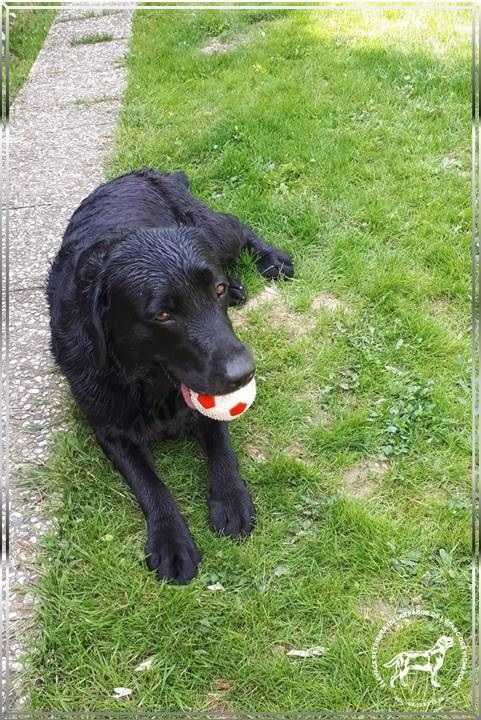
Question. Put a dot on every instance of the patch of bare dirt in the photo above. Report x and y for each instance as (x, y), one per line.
(330, 302)
(269, 294)
(433, 495)
(451, 161)
(439, 305)
(277, 314)
(281, 649)
(216, 46)
(296, 450)
(294, 324)
(218, 706)
(316, 414)
(362, 480)
(378, 610)
(238, 316)
(255, 453)
(238, 320)
(222, 685)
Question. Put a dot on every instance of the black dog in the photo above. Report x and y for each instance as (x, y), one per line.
(138, 300)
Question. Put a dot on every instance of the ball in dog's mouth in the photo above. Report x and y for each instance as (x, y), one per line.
(221, 407)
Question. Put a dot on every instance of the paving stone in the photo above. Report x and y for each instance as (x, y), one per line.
(61, 33)
(99, 10)
(62, 77)
(50, 142)
(35, 234)
(36, 389)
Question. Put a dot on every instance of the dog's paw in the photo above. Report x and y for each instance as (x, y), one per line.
(172, 553)
(231, 512)
(237, 292)
(274, 264)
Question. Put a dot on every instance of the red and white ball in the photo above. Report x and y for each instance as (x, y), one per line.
(221, 407)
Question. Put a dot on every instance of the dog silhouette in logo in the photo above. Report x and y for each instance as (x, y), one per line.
(430, 661)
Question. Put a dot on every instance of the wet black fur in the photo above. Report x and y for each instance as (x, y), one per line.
(138, 246)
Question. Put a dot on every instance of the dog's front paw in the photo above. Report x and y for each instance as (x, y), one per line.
(172, 553)
(231, 512)
(237, 292)
(274, 263)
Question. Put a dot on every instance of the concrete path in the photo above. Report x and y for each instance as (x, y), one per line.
(61, 133)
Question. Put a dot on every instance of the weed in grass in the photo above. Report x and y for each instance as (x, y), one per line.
(91, 39)
(409, 411)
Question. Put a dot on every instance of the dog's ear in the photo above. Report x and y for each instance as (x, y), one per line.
(91, 280)
(98, 331)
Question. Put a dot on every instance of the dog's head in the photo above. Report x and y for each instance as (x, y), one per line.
(162, 300)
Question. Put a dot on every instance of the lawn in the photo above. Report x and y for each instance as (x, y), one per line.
(343, 137)
(27, 31)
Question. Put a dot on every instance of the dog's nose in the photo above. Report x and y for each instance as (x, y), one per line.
(239, 370)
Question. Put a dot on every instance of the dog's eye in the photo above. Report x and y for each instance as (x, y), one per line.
(162, 317)
(220, 289)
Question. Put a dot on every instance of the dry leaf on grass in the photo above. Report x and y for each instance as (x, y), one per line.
(145, 664)
(121, 692)
(215, 587)
(281, 570)
(310, 652)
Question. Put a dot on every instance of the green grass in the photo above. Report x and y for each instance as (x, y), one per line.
(343, 137)
(27, 32)
(91, 39)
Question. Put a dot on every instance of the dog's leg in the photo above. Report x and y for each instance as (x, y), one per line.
(231, 511)
(170, 550)
(271, 262)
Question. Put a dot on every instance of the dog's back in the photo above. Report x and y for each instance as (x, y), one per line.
(144, 198)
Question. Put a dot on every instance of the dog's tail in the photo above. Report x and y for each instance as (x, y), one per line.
(392, 662)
